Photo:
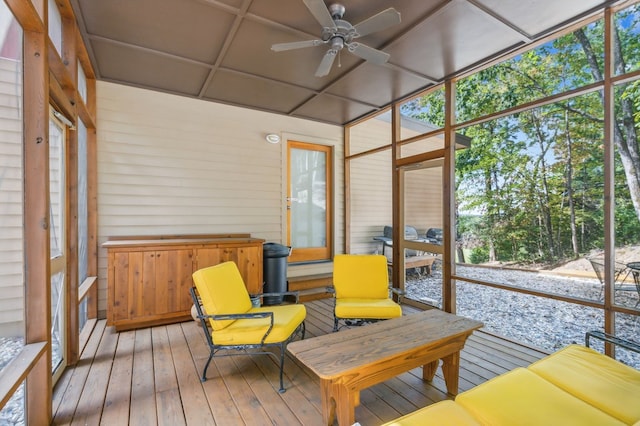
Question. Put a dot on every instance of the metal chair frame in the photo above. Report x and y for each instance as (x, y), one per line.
(356, 322)
(246, 348)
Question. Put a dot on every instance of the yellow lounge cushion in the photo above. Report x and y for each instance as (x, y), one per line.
(362, 275)
(443, 413)
(521, 397)
(222, 292)
(594, 378)
(367, 308)
(250, 331)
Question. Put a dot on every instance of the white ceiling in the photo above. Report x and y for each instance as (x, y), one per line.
(219, 50)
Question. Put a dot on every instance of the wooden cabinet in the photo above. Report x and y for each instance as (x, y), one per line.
(149, 279)
(248, 258)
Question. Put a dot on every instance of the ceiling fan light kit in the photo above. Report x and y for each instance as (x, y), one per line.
(338, 33)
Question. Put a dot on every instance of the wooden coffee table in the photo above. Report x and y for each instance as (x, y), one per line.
(354, 359)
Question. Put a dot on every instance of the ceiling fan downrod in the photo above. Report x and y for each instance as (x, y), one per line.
(337, 11)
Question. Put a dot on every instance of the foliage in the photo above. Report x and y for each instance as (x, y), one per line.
(531, 186)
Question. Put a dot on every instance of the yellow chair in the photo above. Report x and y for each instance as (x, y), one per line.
(231, 322)
(361, 290)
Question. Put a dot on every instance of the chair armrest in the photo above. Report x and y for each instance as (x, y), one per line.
(296, 294)
(252, 315)
(627, 344)
(398, 292)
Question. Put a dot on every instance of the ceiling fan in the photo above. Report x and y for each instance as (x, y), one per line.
(338, 33)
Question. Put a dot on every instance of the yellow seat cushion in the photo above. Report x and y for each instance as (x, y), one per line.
(594, 378)
(250, 331)
(367, 308)
(443, 413)
(521, 397)
(222, 292)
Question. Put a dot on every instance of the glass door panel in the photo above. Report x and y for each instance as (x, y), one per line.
(422, 200)
(309, 202)
(57, 133)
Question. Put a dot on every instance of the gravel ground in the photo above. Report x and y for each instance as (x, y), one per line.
(539, 322)
(12, 413)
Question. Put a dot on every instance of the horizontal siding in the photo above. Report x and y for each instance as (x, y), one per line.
(423, 199)
(371, 197)
(371, 191)
(11, 199)
(175, 165)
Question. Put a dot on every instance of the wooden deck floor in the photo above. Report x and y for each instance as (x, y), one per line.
(151, 376)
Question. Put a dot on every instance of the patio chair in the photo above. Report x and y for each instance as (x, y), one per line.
(361, 290)
(231, 323)
(620, 273)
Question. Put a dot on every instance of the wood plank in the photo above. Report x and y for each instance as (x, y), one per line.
(220, 400)
(264, 387)
(93, 395)
(117, 400)
(304, 409)
(67, 401)
(143, 401)
(251, 411)
(194, 401)
(167, 392)
(13, 373)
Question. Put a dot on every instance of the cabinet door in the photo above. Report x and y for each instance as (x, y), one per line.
(172, 273)
(248, 259)
(148, 285)
(127, 273)
(208, 257)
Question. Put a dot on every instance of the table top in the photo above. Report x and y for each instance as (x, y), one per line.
(634, 265)
(337, 353)
(389, 241)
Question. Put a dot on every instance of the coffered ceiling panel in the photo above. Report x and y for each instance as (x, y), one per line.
(452, 39)
(188, 28)
(141, 68)
(374, 84)
(264, 94)
(538, 16)
(220, 50)
(336, 110)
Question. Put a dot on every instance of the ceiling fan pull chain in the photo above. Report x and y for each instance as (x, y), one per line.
(339, 63)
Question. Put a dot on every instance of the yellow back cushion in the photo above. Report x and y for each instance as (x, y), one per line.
(222, 291)
(594, 378)
(361, 276)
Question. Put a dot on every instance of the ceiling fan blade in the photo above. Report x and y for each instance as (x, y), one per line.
(319, 11)
(279, 47)
(378, 22)
(368, 53)
(326, 63)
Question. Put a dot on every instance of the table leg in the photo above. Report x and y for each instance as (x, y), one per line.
(328, 403)
(451, 370)
(338, 402)
(429, 370)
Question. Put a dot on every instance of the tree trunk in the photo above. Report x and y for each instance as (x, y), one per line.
(625, 137)
(569, 186)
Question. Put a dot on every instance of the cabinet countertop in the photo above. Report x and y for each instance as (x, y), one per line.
(180, 241)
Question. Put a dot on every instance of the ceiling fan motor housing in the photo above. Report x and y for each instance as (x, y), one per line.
(343, 30)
